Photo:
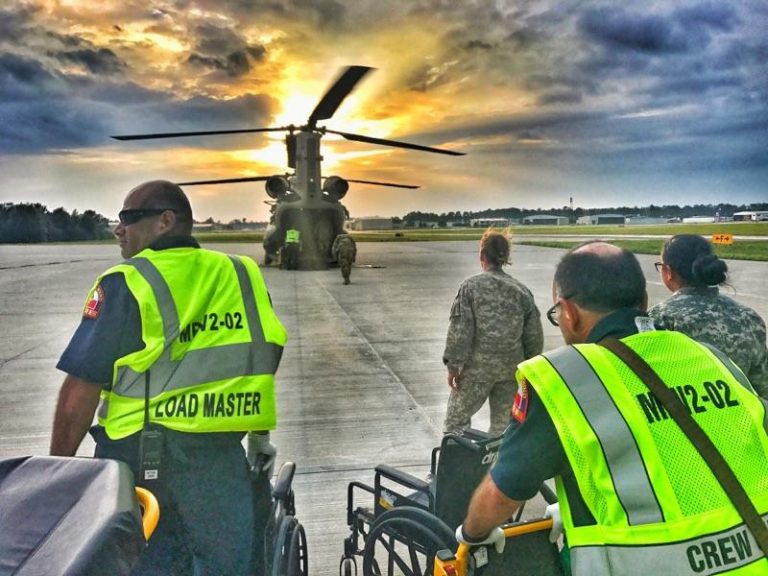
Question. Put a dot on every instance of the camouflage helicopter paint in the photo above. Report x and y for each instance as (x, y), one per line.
(302, 200)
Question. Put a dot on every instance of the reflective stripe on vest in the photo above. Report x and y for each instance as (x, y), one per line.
(723, 552)
(292, 236)
(202, 365)
(630, 478)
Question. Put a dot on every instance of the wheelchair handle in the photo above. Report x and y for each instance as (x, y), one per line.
(150, 511)
(457, 564)
(284, 480)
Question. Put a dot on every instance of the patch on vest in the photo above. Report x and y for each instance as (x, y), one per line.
(94, 304)
(520, 407)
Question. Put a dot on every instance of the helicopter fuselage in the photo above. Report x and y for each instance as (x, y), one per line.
(305, 206)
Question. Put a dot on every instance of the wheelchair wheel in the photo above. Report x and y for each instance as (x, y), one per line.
(290, 553)
(347, 567)
(404, 541)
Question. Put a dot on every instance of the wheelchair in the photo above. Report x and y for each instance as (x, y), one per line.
(71, 517)
(84, 517)
(285, 542)
(411, 519)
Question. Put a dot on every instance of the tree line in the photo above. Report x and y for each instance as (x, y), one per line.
(517, 214)
(22, 223)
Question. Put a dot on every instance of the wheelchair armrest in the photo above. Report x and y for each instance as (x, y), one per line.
(284, 480)
(401, 477)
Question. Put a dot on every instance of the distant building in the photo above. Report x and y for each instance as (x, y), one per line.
(489, 222)
(374, 223)
(597, 219)
(546, 220)
(246, 226)
(751, 215)
(699, 220)
(645, 220)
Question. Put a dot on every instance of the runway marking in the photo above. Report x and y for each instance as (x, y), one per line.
(50, 264)
(17, 356)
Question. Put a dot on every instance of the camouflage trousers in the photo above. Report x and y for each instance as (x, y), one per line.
(346, 269)
(470, 397)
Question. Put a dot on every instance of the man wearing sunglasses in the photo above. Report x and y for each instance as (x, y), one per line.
(181, 344)
(635, 496)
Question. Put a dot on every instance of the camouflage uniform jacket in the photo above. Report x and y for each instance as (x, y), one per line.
(344, 248)
(494, 325)
(706, 315)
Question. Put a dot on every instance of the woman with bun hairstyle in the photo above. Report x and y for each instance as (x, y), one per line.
(693, 273)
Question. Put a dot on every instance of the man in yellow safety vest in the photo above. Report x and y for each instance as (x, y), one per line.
(181, 345)
(636, 497)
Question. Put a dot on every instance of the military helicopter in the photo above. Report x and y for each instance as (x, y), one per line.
(305, 200)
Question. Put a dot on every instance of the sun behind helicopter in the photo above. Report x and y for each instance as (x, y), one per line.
(305, 200)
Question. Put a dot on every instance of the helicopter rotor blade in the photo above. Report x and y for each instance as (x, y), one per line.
(335, 95)
(395, 143)
(185, 134)
(390, 184)
(226, 181)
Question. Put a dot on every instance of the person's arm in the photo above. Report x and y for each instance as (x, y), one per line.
(75, 409)
(533, 333)
(489, 508)
(461, 335)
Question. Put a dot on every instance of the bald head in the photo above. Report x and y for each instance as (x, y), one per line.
(167, 195)
(601, 277)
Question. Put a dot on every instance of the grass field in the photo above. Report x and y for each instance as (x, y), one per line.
(741, 249)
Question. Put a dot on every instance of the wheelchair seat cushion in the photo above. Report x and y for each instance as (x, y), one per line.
(68, 516)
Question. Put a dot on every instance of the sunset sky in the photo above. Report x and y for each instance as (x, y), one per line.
(609, 102)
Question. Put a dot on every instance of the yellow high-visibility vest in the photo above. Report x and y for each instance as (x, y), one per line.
(292, 236)
(212, 344)
(658, 507)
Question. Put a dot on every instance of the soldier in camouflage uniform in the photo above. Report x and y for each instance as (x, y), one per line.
(494, 325)
(690, 270)
(345, 251)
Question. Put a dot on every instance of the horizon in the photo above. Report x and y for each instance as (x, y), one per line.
(595, 100)
(635, 211)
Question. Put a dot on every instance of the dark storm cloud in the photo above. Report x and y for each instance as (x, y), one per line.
(716, 16)
(41, 110)
(224, 50)
(48, 124)
(233, 65)
(618, 29)
(193, 115)
(14, 23)
(65, 40)
(97, 61)
(216, 40)
(22, 77)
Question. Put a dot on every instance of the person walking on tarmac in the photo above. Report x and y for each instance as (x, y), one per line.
(636, 496)
(291, 248)
(345, 252)
(494, 325)
(182, 345)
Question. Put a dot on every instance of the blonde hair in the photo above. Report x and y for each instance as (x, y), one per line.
(494, 245)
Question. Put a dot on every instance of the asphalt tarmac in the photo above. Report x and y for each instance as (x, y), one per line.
(361, 381)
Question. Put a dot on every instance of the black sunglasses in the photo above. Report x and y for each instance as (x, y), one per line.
(551, 314)
(128, 217)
